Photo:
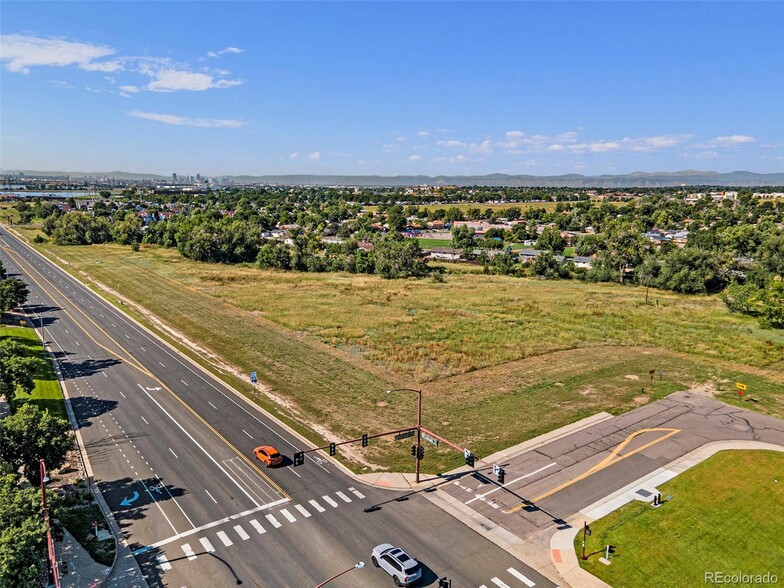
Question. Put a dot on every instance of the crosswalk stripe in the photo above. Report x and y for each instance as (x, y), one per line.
(316, 505)
(241, 532)
(343, 497)
(225, 538)
(499, 583)
(483, 586)
(205, 543)
(188, 551)
(288, 515)
(302, 509)
(522, 578)
(165, 565)
(257, 525)
(356, 493)
(273, 520)
(329, 501)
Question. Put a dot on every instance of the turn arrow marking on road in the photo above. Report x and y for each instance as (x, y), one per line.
(132, 499)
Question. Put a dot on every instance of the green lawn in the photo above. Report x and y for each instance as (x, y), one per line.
(429, 243)
(47, 393)
(725, 515)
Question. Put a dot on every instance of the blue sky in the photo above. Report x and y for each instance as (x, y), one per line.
(391, 88)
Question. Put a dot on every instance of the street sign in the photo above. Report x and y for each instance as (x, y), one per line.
(432, 440)
(404, 435)
(496, 469)
(740, 386)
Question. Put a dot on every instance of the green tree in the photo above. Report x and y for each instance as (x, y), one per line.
(463, 237)
(30, 435)
(771, 255)
(691, 271)
(128, 229)
(551, 240)
(398, 257)
(396, 218)
(13, 294)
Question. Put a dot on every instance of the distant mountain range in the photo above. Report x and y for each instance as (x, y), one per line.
(633, 180)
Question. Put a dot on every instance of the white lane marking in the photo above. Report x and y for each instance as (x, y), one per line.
(257, 525)
(145, 420)
(77, 342)
(212, 405)
(329, 501)
(356, 493)
(241, 532)
(115, 326)
(510, 482)
(142, 348)
(343, 497)
(316, 505)
(273, 520)
(302, 509)
(225, 538)
(499, 583)
(104, 375)
(520, 577)
(67, 332)
(293, 471)
(127, 337)
(160, 362)
(205, 543)
(288, 515)
(188, 551)
(184, 382)
(211, 496)
(123, 395)
(483, 586)
(248, 434)
(164, 563)
(174, 454)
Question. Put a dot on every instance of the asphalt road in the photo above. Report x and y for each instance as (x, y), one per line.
(171, 451)
(547, 485)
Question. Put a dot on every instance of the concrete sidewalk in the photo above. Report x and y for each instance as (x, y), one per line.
(83, 571)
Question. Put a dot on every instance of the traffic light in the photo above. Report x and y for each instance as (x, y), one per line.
(421, 452)
(364, 440)
(470, 459)
(332, 449)
(501, 475)
(413, 451)
(299, 458)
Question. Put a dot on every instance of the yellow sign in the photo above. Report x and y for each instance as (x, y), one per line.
(740, 386)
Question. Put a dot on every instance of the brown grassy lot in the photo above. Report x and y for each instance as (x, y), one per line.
(500, 359)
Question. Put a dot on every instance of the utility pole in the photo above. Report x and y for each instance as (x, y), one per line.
(586, 532)
(418, 426)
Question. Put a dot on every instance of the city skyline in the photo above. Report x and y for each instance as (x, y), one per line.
(391, 88)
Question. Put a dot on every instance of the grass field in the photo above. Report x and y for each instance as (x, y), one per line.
(499, 359)
(47, 394)
(725, 515)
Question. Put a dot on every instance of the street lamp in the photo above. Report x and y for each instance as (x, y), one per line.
(45, 511)
(419, 423)
(357, 566)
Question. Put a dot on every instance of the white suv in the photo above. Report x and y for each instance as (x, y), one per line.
(403, 568)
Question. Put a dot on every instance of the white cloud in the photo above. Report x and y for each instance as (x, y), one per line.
(423, 134)
(294, 155)
(172, 80)
(512, 135)
(21, 52)
(173, 119)
(315, 155)
(234, 50)
(62, 84)
(569, 137)
(452, 144)
(733, 140)
(129, 89)
(415, 158)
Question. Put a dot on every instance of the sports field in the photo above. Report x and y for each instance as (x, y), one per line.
(499, 359)
(725, 515)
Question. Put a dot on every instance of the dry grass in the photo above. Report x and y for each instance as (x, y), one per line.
(500, 359)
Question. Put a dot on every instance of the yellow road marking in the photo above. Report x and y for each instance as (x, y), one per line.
(134, 363)
(611, 459)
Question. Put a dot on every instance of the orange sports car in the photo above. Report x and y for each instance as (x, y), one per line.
(269, 455)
